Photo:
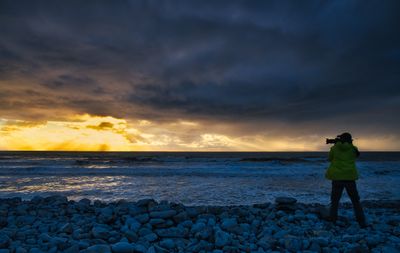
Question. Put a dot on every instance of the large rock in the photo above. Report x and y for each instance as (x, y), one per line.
(163, 214)
(133, 224)
(229, 224)
(167, 243)
(186, 224)
(285, 200)
(134, 210)
(36, 200)
(286, 203)
(25, 220)
(180, 217)
(100, 232)
(99, 248)
(84, 201)
(315, 247)
(59, 242)
(131, 236)
(160, 207)
(156, 221)
(151, 237)
(197, 227)
(324, 213)
(192, 212)
(152, 249)
(222, 238)
(387, 249)
(106, 215)
(4, 240)
(22, 209)
(142, 218)
(323, 242)
(204, 234)
(373, 240)
(56, 200)
(83, 206)
(352, 238)
(3, 221)
(266, 242)
(139, 248)
(145, 231)
(293, 244)
(35, 250)
(20, 250)
(168, 223)
(72, 249)
(145, 202)
(66, 228)
(122, 247)
(176, 232)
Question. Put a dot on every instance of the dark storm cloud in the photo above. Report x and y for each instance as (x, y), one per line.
(287, 61)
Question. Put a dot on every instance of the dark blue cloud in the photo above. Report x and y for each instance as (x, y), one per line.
(289, 61)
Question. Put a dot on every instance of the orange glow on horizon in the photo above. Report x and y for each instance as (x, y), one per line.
(105, 133)
(82, 133)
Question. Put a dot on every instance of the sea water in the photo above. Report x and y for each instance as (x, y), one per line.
(204, 178)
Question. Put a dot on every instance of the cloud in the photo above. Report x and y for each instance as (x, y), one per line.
(288, 67)
(102, 126)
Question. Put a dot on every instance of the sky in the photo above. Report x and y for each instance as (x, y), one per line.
(198, 75)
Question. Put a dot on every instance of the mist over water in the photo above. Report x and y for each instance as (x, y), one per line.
(210, 178)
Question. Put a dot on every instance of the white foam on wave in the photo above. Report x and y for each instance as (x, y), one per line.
(192, 181)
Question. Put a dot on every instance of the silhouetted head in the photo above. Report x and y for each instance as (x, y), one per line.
(345, 137)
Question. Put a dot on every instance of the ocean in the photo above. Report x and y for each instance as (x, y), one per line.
(190, 178)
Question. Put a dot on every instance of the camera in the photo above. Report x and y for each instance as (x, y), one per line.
(332, 141)
(344, 137)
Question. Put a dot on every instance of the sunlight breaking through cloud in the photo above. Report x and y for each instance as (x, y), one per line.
(105, 133)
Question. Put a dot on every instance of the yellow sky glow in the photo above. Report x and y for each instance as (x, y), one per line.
(95, 133)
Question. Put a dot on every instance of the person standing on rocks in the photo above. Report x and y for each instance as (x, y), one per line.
(343, 173)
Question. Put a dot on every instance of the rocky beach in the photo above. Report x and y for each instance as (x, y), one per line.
(56, 224)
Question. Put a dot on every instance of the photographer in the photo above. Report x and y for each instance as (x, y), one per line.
(343, 173)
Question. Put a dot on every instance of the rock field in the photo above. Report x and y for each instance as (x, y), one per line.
(56, 224)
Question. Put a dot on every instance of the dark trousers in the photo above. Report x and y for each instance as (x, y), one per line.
(351, 189)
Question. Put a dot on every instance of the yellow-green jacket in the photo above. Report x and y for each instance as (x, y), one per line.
(343, 162)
